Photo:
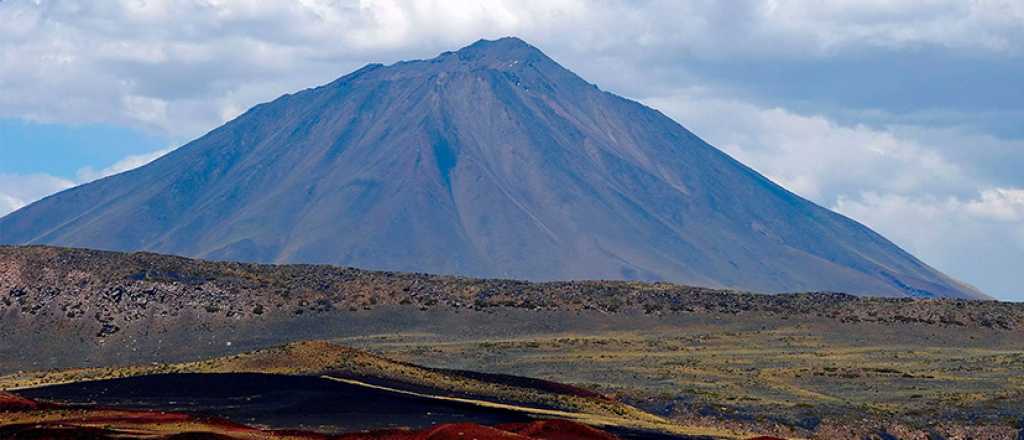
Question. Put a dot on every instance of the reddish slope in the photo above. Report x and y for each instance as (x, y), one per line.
(539, 430)
(557, 430)
(25, 418)
(11, 402)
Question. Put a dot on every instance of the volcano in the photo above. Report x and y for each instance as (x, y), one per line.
(491, 161)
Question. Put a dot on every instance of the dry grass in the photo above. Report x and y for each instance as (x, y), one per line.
(852, 370)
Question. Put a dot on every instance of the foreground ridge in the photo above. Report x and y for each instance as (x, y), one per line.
(95, 306)
(109, 292)
(573, 409)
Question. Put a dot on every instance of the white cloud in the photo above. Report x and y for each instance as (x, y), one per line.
(934, 191)
(907, 189)
(979, 239)
(926, 221)
(8, 204)
(176, 65)
(88, 174)
(18, 190)
(992, 25)
(812, 155)
(145, 110)
(1000, 204)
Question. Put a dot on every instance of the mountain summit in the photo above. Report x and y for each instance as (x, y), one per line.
(490, 161)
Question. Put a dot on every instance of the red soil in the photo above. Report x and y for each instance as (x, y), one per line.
(83, 422)
(540, 430)
(11, 402)
(557, 430)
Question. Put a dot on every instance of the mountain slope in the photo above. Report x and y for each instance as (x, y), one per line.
(490, 161)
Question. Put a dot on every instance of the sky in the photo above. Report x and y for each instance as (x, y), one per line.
(907, 116)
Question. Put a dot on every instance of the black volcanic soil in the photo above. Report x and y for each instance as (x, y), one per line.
(304, 403)
(274, 401)
(90, 415)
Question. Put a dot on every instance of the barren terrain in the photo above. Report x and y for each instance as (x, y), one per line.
(818, 365)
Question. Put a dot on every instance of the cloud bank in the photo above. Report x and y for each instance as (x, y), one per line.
(18, 190)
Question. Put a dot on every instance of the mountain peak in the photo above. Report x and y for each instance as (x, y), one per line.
(502, 44)
(502, 50)
(506, 54)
